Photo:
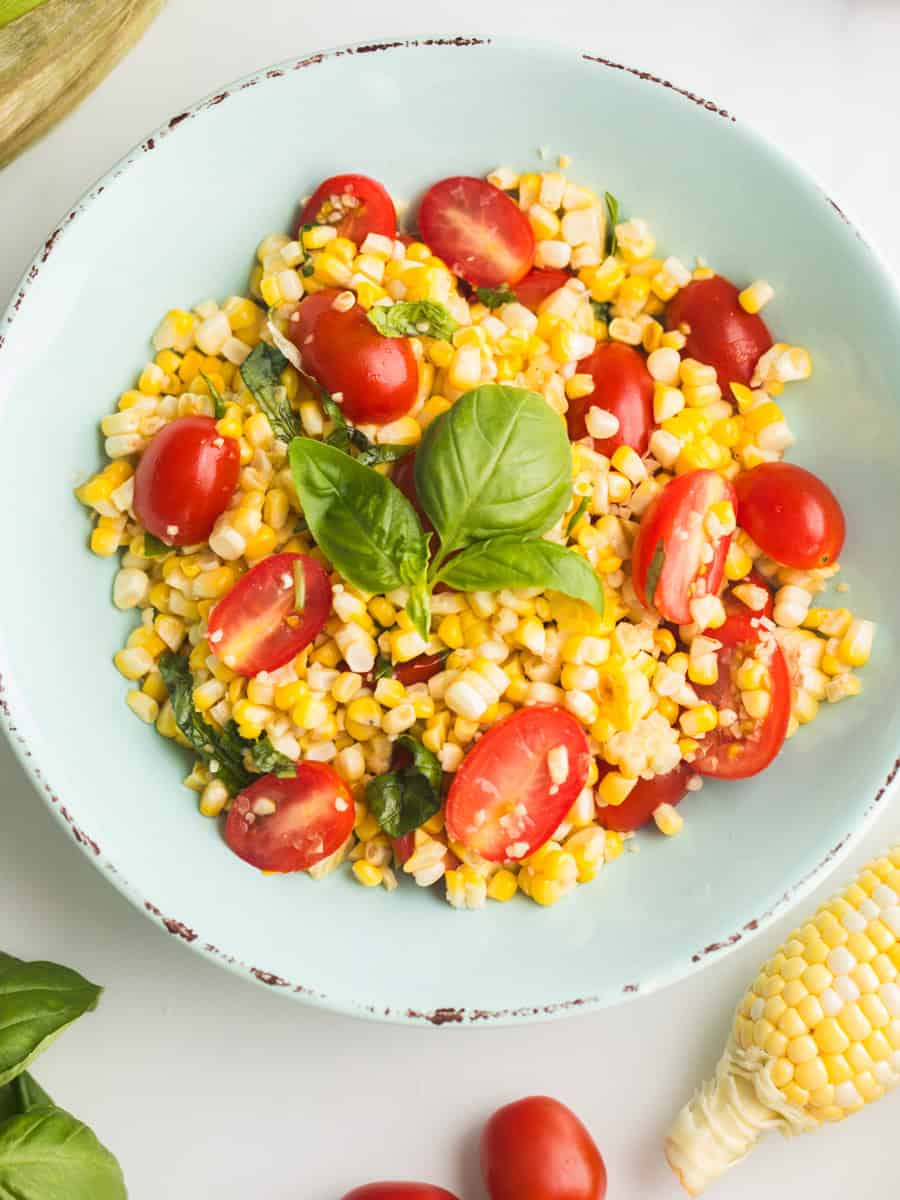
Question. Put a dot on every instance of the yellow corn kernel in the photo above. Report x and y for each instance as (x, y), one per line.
(614, 789)
(367, 873)
(502, 885)
(432, 409)
(738, 563)
(752, 675)
(700, 720)
(762, 415)
(753, 298)
(664, 639)
(104, 541)
(667, 709)
(856, 645)
(614, 845)
(261, 543)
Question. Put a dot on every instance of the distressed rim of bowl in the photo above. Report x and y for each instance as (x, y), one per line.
(310, 995)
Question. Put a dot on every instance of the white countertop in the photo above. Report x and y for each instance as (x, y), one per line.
(204, 1085)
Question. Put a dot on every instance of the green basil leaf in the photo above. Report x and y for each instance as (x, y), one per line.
(365, 526)
(403, 800)
(413, 318)
(30, 1093)
(509, 562)
(261, 372)
(38, 1000)
(153, 547)
(383, 668)
(612, 209)
(418, 608)
(657, 562)
(47, 1154)
(498, 462)
(218, 402)
(385, 452)
(496, 297)
(347, 437)
(223, 748)
(269, 761)
(577, 515)
(603, 312)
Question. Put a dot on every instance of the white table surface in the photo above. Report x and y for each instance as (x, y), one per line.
(206, 1086)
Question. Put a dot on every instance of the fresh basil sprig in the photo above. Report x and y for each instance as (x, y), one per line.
(153, 547)
(47, 1154)
(413, 318)
(403, 800)
(493, 474)
(496, 297)
(38, 1000)
(612, 209)
(602, 310)
(577, 515)
(657, 562)
(224, 750)
(261, 372)
(348, 438)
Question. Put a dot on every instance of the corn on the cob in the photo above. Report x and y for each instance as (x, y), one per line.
(815, 1038)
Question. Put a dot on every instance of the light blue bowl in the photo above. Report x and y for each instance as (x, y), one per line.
(175, 222)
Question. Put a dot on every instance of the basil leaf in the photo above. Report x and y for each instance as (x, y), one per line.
(603, 312)
(38, 1000)
(153, 547)
(509, 562)
(418, 607)
(365, 526)
(218, 402)
(657, 562)
(413, 318)
(383, 668)
(385, 452)
(269, 761)
(498, 462)
(496, 297)
(47, 1154)
(577, 515)
(22, 1094)
(403, 800)
(612, 209)
(261, 372)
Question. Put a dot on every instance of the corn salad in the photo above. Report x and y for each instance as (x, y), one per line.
(637, 685)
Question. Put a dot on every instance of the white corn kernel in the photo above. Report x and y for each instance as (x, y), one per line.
(130, 587)
(600, 423)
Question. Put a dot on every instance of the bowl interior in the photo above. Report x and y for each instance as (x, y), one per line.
(177, 222)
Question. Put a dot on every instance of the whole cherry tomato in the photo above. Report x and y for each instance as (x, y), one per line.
(622, 386)
(184, 480)
(537, 1149)
(791, 515)
(373, 378)
(721, 333)
(355, 204)
(399, 1191)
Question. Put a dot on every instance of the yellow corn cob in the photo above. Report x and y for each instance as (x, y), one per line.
(815, 1038)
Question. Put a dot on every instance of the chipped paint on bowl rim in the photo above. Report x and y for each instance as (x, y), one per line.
(563, 933)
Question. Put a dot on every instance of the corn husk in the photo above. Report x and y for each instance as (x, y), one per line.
(55, 55)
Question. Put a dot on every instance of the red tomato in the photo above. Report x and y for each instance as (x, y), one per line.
(313, 817)
(256, 626)
(419, 670)
(355, 204)
(748, 746)
(399, 1191)
(537, 1149)
(503, 803)
(667, 561)
(538, 284)
(477, 230)
(624, 387)
(403, 847)
(185, 479)
(375, 376)
(721, 333)
(644, 798)
(791, 515)
(735, 605)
